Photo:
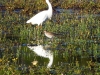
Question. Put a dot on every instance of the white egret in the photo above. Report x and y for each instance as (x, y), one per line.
(41, 51)
(41, 16)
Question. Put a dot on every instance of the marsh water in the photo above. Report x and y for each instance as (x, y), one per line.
(77, 50)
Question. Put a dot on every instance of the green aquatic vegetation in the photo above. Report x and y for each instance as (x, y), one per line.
(72, 51)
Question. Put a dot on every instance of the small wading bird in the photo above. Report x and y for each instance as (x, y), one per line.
(42, 16)
(43, 52)
(49, 34)
(52, 35)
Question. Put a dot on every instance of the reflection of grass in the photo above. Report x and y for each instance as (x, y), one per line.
(81, 38)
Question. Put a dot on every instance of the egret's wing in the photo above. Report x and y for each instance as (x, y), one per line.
(38, 18)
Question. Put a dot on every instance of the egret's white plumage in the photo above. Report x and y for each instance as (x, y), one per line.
(39, 50)
(41, 16)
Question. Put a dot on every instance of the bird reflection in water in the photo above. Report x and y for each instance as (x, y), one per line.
(43, 51)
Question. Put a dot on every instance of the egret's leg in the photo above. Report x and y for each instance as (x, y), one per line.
(37, 33)
(41, 25)
(37, 27)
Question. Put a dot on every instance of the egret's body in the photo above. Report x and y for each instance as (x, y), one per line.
(39, 50)
(41, 16)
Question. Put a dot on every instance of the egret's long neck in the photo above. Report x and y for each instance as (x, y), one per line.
(49, 5)
(50, 61)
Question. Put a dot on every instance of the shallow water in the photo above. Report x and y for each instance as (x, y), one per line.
(73, 50)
